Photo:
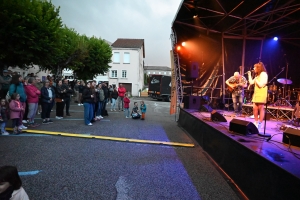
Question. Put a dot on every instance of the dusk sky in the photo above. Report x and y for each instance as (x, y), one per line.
(136, 19)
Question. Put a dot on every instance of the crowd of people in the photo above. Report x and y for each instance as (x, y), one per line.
(22, 98)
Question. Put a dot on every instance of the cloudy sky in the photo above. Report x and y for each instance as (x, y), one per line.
(112, 19)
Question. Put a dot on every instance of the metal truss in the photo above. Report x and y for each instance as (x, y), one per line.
(179, 90)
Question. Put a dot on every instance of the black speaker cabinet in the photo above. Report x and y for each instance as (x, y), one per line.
(205, 108)
(193, 70)
(217, 117)
(242, 127)
(191, 102)
(291, 136)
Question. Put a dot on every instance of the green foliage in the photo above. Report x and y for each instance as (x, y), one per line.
(146, 77)
(29, 32)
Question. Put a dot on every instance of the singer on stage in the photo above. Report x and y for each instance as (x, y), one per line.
(260, 92)
(236, 85)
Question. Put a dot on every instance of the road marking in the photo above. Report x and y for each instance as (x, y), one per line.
(107, 138)
(28, 173)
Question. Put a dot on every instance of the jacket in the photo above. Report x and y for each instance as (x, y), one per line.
(121, 91)
(126, 102)
(69, 91)
(45, 94)
(4, 113)
(143, 108)
(15, 109)
(32, 93)
(59, 91)
(86, 95)
(101, 95)
(18, 89)
(114, 94)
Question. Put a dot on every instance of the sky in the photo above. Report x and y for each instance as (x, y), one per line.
(150, 20)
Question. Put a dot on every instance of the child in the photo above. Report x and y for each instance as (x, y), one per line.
(15, 112)
(11, 184)
(143, 109)
(126, 105)
(3, 113)
(135, 111)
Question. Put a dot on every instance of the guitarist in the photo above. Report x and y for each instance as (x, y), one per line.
(236, 85)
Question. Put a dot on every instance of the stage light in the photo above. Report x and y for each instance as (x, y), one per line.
(195, 16)
(275, 38)
(178, 48)
(183, 44)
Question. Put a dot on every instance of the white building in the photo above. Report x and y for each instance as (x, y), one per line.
(163, 70)
(127, 65)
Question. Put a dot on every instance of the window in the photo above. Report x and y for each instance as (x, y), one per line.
(170, 73)
(124, 73)
(126, 58)
(165, 72)
(114, 73)
(159, 72)
(116, 57)
(148, 72)
(153, 72)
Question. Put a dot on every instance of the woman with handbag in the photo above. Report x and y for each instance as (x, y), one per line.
(47, 98)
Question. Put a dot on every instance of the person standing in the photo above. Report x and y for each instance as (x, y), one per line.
(17, 86)
(67, 96)
(114, 97)
(4, 111)
(76, 90)
(88, 100)
(32, 93)
(143, 109)
(4, 83)
(237, 83)
(106, 99)
(260, 92)
(81, 87)
(121, 93)
(60, 104)
(126, 105)
(47, 97)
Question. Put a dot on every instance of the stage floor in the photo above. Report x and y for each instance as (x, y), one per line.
(272, 152)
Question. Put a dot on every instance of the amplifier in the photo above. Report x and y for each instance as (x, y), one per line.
(291, 136)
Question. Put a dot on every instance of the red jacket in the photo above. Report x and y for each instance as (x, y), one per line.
(126, 102)
(32, 94)
(121, 91)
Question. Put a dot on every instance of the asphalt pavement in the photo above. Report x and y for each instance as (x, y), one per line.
(120, 163)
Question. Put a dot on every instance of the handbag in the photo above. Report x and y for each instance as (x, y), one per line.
(58, 100)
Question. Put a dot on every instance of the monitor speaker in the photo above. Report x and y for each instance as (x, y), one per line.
(242, 127)
(191, 102)
(193, 70)
(291, 136)
(217, 117)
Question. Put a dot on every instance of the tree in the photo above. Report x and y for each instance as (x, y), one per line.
(97, 60)
(29, 32)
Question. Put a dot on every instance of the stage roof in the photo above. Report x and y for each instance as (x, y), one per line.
(237, 18)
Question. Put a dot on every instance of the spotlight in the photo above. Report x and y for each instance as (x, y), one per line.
(178, 48)
(183, 44)
(195, 16)
(275, 38)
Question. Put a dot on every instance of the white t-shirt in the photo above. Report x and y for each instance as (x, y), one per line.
(19, 194)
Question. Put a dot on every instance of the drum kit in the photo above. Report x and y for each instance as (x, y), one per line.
(281, 96)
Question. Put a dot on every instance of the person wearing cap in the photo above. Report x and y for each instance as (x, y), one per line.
(4, 83)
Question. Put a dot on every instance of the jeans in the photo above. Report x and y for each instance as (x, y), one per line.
(237, 102)
(113, 104)
(126, 112)
(32, 108)
(100, 106)
(120, 101)
(88, 113)
(3, 125)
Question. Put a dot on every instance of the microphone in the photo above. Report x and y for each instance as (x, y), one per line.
(249, 71)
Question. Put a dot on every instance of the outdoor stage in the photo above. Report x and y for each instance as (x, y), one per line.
(262, 169)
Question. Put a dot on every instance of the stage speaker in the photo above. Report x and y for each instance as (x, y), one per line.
(191, 102)
(205, 108)
(217, 117)
(242, 127)
(192, 70)
(291, 136)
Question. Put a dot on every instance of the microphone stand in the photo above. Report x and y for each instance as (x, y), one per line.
(266, 111)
